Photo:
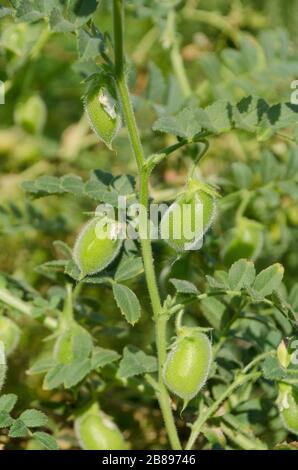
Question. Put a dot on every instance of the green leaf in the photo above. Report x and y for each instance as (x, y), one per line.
(219, 281)
(41, 366)
(63, 249)
(18, 429)
(268, 280)
(101, 186)
(129, 267)
(76, 371)
(43, 186)
(33, 10)
(241, 274)
(186, 124)
(282, 115)
(214, 311)
(49, 185)
(82, 344)
(101, 357)
(272, 370)
(33, 418)
(72, 184)
(249, 113)
(255, 115)
(59, 24)
(46, 440)
(136, 362)
(217, 118)
(5, 419)
(72, 270)
(96, 189)
(71, 18)
(7, 402)
(184, 287)
(128, 303)
(96, 279)
(80, 11)
(55, 377)
(50, 269)
(88, 45)
(123, 184)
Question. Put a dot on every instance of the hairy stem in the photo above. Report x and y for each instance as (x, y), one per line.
(160, 319)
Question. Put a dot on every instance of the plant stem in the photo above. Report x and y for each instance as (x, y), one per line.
(213, 19)
(24, 307)
(240, 440)
(66, 318)
(18, 304)
(141, 51)
(159, 317)
(197, 426)
(175, 54)
(179, 68)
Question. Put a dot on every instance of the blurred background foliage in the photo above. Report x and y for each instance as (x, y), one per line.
(230, 49)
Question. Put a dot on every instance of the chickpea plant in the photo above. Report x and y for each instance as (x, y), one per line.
(206, 366)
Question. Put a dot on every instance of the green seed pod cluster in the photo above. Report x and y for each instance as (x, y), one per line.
(2, 365)
(244, 241)
(188, 363)
(70, 342)
(97, 246)
(31, 114)
(288, 407)
(102, 110)
(187, 220)
(96, 431)
(9, 334)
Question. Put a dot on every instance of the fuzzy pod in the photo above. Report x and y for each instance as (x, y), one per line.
(10, 334)
(186, 221)
(71, 343)
(188, 364)
(244, 241)
(97, 246)
(102, 111)
(96, 431)
(2, 365)
(288, 407)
